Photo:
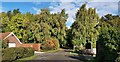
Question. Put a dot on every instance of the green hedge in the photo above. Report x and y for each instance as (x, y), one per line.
(10, 54)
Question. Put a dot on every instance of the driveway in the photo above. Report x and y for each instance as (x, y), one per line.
(59, 56)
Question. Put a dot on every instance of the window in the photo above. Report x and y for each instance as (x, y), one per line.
(11, 44)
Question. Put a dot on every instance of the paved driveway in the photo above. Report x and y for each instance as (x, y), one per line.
(59, 56)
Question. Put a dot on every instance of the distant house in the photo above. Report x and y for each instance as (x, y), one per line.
(12, 41)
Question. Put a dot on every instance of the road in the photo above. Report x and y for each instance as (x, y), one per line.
(59, 56)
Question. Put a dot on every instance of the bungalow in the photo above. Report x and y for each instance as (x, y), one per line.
(12, 41)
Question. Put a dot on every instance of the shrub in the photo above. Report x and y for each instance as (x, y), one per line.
(50, 44)
(10, 54)
(56, 43)
(4, 44)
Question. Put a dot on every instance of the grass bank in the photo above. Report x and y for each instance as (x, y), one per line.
(51, 50)
(25, 59)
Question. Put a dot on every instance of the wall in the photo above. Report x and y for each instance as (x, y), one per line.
(36, 47)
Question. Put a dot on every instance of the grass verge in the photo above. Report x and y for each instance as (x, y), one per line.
(25, 59)
(72, 53)
(50, 50)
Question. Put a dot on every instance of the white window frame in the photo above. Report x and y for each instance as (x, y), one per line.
(11, 44)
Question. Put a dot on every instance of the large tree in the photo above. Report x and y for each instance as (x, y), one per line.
(51, 25)
(109, 38)
(84, 27)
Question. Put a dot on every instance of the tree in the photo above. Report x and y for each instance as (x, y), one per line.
(9, 14)
(16, 11)
(108, 44)
(108, 41)
(84, 28)
(51, 25)
(16, 25)
(4, 22)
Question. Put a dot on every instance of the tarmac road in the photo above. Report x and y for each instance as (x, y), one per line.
(59, 56)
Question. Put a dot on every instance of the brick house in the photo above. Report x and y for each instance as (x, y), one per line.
(12, 41)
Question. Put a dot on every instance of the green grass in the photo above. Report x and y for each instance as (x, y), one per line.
(72, 53)
(50, 50)
(28, 58)
(25, 59)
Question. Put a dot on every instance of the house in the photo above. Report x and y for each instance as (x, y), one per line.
(12, 41)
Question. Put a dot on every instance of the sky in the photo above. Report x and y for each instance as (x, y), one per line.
(102, 8)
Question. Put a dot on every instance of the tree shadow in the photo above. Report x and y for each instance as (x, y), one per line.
(68, 50)
(82, 57)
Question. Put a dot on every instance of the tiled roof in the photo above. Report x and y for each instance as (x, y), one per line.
(3, 35)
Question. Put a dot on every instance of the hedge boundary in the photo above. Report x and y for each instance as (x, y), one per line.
(11, 54)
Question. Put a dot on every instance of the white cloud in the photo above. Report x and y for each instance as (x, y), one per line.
(102, 8)
(85, 0)
(59, 0)
(37, 10)
(1, 9)
(36, 3)
(104, 0)
(70, 8)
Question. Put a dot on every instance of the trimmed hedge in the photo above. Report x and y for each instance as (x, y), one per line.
(10, 54)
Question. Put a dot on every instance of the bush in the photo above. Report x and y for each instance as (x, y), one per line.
(10, 54)
(4, 44)
(50, 44)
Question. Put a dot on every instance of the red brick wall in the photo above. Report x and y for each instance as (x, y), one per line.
(36, 47)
